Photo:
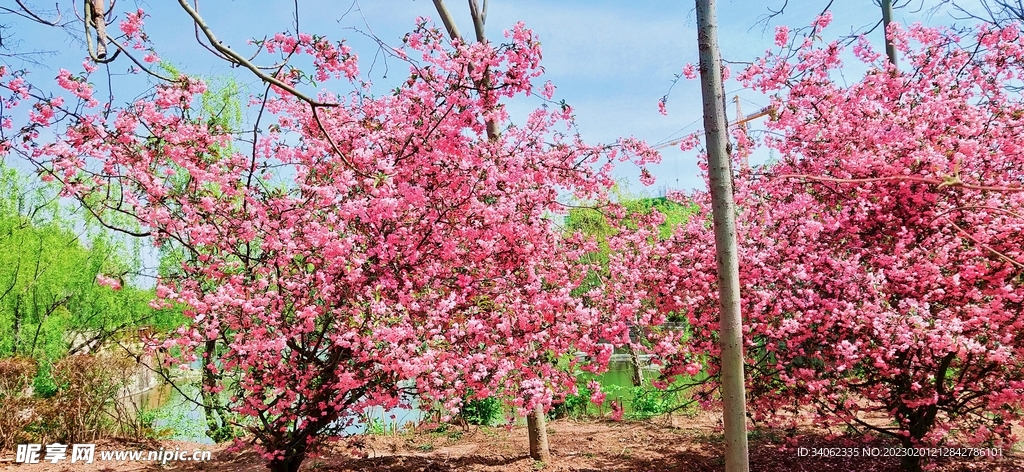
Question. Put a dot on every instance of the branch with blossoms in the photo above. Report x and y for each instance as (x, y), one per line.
(951, 182)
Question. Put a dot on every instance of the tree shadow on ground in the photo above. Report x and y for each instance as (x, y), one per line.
(599, 447)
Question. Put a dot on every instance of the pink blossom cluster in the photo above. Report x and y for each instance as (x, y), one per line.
(329, 60)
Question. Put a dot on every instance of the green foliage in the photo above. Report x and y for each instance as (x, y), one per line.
(43, 385)
(49, 261)
(649, 402)
(643, 402)
(221, 105)
(573, 406)
(375, 426)
(593, 222)
(482, 412)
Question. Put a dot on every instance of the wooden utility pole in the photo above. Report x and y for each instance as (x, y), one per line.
(724, 217)
(890, 47)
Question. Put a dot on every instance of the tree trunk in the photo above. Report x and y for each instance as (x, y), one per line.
(95, 16)
(921, 421)
(217, 427)
(638, 367)
(537, 428)
(17, 325)
(289, 463)
(479, 19)
(724, 217)
(909, 462)
(890, 47)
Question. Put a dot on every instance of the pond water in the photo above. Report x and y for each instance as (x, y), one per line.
(174, 410)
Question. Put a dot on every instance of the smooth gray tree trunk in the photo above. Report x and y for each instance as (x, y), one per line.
(890, 47)
(724, 215)
(537, 429)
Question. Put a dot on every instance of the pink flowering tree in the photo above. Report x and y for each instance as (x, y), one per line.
(881, 256)
(357, 247)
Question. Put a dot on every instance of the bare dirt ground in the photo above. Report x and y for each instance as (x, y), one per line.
(668, 444)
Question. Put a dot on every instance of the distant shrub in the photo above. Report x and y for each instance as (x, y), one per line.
(16, 402)
(573, 406)
(483, 412)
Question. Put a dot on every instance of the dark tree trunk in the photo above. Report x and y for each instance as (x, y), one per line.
(289, 463)
(638, 367)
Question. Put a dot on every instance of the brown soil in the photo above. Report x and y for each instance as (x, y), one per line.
(668, 444)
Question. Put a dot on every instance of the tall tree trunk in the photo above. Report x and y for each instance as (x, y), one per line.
(724, 217)
(479, 20)
(890, 47)
(537, 428)
(94, 16)
(17, 325)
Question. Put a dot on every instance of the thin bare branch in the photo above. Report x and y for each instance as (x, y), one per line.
(27, 12)
(236, 58)
(948, 182)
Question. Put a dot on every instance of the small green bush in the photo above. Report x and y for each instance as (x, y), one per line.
(482, 412)
(375, 426)
(649, 402)
(573, 406)
(43, 385)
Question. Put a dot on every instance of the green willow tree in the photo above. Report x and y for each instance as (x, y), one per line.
(51, 261)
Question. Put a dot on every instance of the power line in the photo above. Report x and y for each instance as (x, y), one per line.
(758, 114)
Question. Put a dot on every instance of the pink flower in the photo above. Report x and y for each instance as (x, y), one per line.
(597, 397)
(646, 177)
(781, 35)
(131, 26)
(549, 90)
(111, 282)
(689, 71)
(822, 21)
(617, 410)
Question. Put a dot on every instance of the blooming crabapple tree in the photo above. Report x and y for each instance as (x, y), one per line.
(624, 272)
(360, 241)
(882, 255)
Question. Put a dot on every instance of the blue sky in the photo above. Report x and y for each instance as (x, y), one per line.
(611, 60)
